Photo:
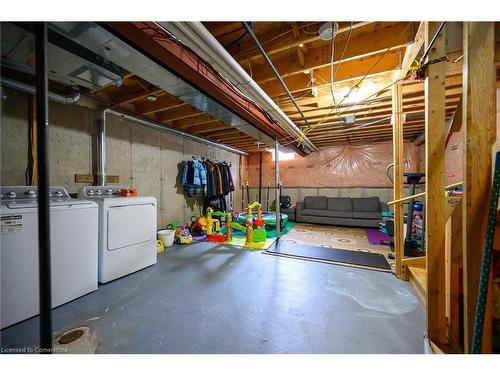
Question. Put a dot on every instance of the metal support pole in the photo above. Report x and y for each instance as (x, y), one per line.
(101, 172)
(277, 184)
(43, 186)
(260, 177)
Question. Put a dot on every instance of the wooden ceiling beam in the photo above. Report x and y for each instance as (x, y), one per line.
(352, 128)
(395, 37)
(161, 104)
(250, 53)
(133, 96)
(411, 52)
(352, 71)
(411, 99)
(386, 128)
(387, 135)
(177, 114)
(202, 118)
(208, 127)
(348, 70)
(371, 113)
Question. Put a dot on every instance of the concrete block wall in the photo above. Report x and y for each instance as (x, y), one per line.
(143, 158)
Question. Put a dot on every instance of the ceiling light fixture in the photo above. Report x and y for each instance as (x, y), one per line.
(151, 98)
(328, 30)
(349, 119)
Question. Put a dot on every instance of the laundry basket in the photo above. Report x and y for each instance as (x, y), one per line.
(166, 236)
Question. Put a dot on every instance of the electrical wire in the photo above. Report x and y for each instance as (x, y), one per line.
(236, 56)
(334, 109)
(332, 72)
(313, 126)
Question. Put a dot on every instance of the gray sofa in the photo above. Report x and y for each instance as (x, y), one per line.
(355, 212)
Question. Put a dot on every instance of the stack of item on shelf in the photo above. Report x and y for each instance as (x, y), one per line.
(210, 179)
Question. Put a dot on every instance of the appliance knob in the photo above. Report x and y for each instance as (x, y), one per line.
(98, 192)
(31, 193)
(58, 194)
(90, 192)
(11, 194)
(109, 191)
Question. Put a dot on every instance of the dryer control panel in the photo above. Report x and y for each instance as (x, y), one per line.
(10, 193)
(106, 192)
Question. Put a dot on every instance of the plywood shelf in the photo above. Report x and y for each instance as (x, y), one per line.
(418, 280)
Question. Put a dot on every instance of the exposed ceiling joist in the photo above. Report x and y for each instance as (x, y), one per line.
(244, 57)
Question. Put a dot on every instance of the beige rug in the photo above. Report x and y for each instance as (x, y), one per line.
(342, 238)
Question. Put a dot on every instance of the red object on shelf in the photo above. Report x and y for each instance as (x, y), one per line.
(216, 238)
(128, 192)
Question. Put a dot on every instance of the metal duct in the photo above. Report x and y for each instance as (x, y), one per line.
(28, 89)
(104, 43)
(200, 40)
(163, 128)
(102, 169)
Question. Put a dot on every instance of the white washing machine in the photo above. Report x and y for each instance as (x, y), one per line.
(127, 231)
(73, 237)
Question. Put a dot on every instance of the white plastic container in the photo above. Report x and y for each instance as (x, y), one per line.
(167, 237)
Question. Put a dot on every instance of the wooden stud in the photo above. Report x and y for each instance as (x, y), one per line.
(435, 204)
(411, 52)
(397, 155)
(453, 257)
(478, 125)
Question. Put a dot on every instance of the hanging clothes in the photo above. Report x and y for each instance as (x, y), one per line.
(209, 179)
(194, 178)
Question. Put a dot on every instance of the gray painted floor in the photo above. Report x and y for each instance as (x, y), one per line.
(203, 298)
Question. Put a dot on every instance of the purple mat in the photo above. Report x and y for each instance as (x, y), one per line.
(375, 237)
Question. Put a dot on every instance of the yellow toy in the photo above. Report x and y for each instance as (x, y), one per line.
(254, 228)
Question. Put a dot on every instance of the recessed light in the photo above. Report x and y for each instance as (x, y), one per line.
(151, 98)
(301, 45)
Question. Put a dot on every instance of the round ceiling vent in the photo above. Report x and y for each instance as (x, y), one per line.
(328, 30)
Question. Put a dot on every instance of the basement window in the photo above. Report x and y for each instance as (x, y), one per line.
(284, 156)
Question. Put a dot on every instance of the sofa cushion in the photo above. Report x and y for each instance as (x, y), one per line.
(366, 215)
(340, 204)
(371, 204)
(326, 213)
(316, 203)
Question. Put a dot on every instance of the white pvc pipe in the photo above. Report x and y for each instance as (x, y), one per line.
(201, 41)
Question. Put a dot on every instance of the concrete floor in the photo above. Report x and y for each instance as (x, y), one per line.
(203, 298)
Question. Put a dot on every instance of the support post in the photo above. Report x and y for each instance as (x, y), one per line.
(478, 124)
(435, 169)
(277, 184)
(260, 177)
(43, 186)
(102, 168)
(397, 155)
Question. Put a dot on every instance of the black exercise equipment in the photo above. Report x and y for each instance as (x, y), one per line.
(412, 247)
(285, 201)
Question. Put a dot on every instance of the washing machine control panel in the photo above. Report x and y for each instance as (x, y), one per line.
(31, 192)
(101, 191)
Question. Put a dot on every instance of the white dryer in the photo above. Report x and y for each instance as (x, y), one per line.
(127, 231)
(73, 237)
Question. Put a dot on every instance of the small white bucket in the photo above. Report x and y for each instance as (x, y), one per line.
(167, 237)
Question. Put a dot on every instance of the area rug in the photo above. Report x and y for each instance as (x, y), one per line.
(333, 237)
(376, 237)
